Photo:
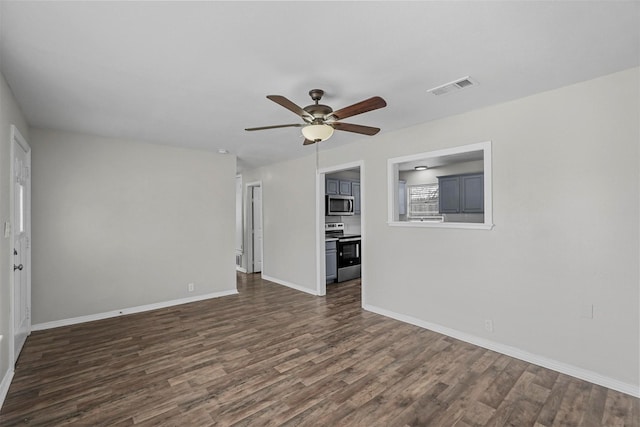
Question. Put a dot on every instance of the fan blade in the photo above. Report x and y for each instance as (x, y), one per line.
(359, 108)
(297, 125)
(281, 100)
(365, 130)
(308, 142)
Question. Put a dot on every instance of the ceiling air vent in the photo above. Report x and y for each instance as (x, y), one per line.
(453, 86)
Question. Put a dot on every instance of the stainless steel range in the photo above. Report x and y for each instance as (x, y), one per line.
(349, 254)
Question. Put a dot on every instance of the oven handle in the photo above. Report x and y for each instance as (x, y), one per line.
(351, 239)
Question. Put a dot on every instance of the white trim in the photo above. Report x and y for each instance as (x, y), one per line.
(554, 365)
(465, 225)
(363, 236)
(341, 167)
(6, 383)
(321, 261)
(130, 310)
(240, 251)
(289, 284)
(392, 178)
(17, 136)
(241, 269)
(248, 204)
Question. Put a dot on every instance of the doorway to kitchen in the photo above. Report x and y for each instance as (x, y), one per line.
(254, 227)
(340, 225)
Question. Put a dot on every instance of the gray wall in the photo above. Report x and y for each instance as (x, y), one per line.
(119, 224)
(10, 114)
(566, 209)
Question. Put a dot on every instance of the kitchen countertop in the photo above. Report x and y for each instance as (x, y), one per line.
(346, 236)
(349, 236)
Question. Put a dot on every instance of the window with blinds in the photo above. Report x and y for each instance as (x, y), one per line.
(423, 200)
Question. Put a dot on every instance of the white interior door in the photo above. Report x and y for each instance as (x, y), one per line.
(20, 231)
(239, 223)
(256, 213)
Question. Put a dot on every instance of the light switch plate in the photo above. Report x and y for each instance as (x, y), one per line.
(7, 229)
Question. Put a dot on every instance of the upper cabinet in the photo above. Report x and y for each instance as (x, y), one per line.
(472, 196)
(462, 193)
(342, 187)
(332, 186)
(345, 188)
(449, 197)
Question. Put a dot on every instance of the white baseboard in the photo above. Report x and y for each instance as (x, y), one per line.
(130, 310)
(4, 386)
(290, 285)
(517, 353)
(241, 269)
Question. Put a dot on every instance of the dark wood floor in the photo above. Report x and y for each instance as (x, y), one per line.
(273, 356)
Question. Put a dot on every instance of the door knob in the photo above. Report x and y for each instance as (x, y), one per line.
(17, 267)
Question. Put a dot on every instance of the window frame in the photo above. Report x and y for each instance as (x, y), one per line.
(393, 178)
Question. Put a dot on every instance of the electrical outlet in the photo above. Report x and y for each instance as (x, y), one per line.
(586, 311)
(191, 287)
(488, 325)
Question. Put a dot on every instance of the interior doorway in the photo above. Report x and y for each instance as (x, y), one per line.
(19, 229)
(254, 227)
(357, 220)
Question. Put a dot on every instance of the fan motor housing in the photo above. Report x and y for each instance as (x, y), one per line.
(318, 110)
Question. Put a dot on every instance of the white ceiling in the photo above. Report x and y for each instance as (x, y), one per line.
(195, 74)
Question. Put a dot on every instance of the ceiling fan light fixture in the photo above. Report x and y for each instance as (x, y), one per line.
(317, 132)
(321, 120)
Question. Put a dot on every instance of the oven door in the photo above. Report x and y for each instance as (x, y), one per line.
(348, 252)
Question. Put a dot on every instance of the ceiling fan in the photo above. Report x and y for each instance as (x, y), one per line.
(320, 120)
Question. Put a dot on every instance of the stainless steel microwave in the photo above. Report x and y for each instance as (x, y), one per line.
(339, 205)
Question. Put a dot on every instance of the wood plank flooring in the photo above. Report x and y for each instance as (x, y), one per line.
(273, 356)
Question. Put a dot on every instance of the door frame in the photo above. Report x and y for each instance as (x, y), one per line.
(240, 251)
(249, 224)
(18, 139)
(321, 276)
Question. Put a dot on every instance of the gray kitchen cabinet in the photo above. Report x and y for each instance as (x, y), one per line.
(345, 188)
(332, 186)
(472, 196)
(449, 197)
(355, 192)
(331, 253)
(461, 193)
